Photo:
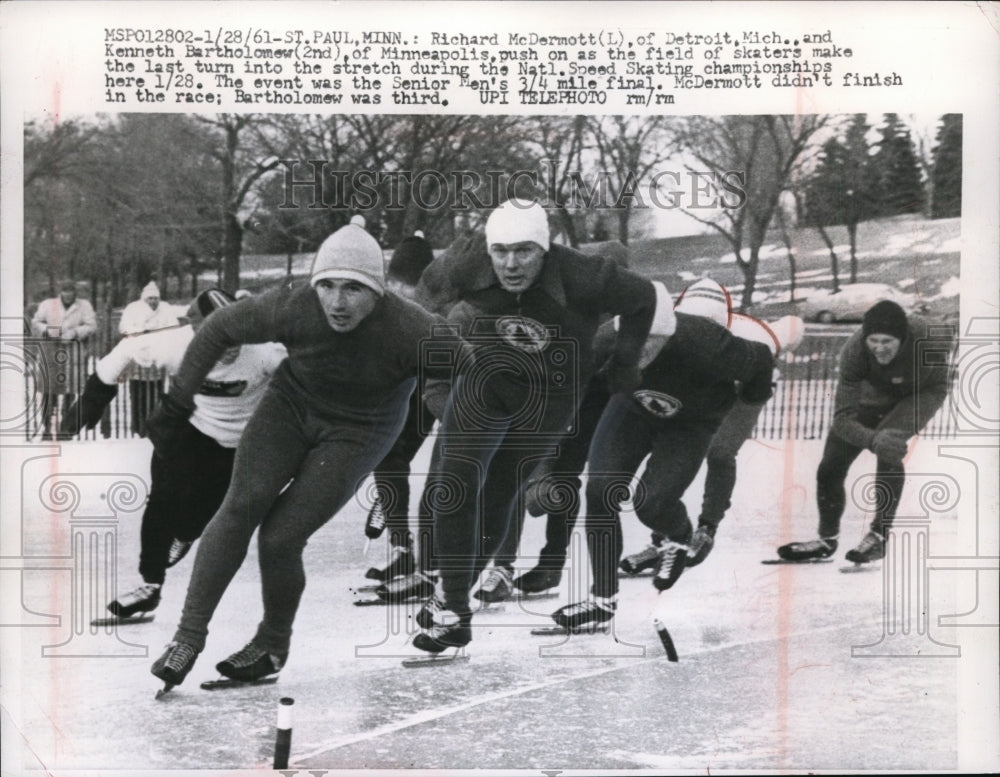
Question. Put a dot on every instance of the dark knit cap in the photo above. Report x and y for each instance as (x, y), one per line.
(885, 318)
(207, 302)
(410, 259)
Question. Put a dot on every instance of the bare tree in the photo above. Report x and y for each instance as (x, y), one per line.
(629, 148)
(244, 153)
(761, 152)
(558, 143)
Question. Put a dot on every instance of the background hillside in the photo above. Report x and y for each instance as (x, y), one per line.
(912, 253)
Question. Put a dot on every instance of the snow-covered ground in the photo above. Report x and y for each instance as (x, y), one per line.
(781, 667)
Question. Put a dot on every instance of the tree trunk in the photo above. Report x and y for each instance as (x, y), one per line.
(833, 257)
(749, 269)
(852, 234)
(232, 242)
(623, 217)
(787, 240)
(791, 274)
(568, 225)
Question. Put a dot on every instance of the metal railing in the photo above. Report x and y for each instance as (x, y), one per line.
(801, 408)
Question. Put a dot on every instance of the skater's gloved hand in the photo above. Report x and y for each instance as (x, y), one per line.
(619, 377)
(88, 409)
(435, 396)
(165, 426)
(534, 502)
(890, 445)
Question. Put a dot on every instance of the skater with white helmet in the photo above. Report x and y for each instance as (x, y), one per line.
(530, 310)
(735, 429)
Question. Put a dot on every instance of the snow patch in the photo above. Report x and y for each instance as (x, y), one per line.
(950, 288)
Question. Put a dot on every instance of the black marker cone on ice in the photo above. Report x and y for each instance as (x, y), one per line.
(668, 643)
(283, 741)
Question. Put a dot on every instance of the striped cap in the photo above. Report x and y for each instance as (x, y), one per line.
(207, 303)
(708, 299)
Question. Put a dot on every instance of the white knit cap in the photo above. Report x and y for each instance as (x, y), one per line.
(664, 321)
(708, 299)
(151, 290)
(518, 221)
(350, 253)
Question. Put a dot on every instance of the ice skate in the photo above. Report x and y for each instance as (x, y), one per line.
(375, 523)
(496, 587)
(702, 542)
(871, 548)
(538, 580)
(672, 559)
(810, 551)
(400, 563)
(591, 616)
(252, 665)
(429, 611)
(641, 561)
(173, 666)
(447, 630)
(135, 606)
(418, 585)
(178, 550)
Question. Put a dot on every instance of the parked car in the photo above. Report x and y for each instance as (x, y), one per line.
(851, 302)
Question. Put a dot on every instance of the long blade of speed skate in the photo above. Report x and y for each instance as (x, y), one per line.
(163, 691)
(550, 594)
(803, 561)
(114, 620)
(561, 631)
(227, 682)
(437, 659)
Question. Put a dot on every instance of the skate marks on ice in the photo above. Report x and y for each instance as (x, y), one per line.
(319, 754)
(850, 569)
(220, 684)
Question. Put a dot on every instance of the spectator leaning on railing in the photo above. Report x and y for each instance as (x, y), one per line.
(63, 320)
(145, 388)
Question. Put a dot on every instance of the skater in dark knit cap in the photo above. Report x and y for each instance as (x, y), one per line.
(530, 311)
(330, 414)
(392, 475)
(187, 487)
(885, 394)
